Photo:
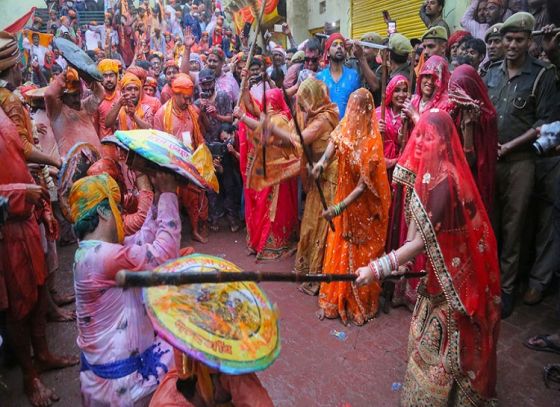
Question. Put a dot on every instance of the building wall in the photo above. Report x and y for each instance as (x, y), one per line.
(453, 12)
(304, 15)
(12, 10)
(336, 10)
(296, 16)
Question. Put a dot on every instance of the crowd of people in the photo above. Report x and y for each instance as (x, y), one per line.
(434, 157)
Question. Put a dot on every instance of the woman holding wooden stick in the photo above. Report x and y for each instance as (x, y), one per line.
(455, 325)
(318, 117)
(360, 214)
(390, 125)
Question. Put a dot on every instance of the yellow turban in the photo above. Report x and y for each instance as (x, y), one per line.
(88, 192)
(130, 79)
(183, 84)
(109, 65)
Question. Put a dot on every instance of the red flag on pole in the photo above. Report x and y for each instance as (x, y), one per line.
(20, 22)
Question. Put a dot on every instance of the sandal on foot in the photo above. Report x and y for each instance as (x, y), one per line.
(549, 346)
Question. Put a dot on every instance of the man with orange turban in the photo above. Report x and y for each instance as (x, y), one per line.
(120, 350)
(109, 68)
(170, 71)
(129, 113)
(142, 74)
(71, 115)
(179, 117)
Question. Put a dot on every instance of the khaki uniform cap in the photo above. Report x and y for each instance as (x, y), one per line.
(521, 21)
(435, 33)
(399, 44)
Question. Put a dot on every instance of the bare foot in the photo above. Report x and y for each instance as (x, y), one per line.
(61, 300)
(58, 314)
(37, 393)
(320, 314)
(197, 237)
(309, 288)
(48, 362)
(250, 252)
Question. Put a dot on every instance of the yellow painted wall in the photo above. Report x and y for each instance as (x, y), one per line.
(11, 10)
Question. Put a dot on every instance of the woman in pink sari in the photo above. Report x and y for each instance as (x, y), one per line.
(391, 124)
(270, 205)
(431, 89)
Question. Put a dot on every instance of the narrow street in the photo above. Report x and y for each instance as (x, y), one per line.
(316, 368)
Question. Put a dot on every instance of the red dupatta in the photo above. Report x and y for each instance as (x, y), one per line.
(438, 68)
(467, 91)
(393, 123)
(444, 203)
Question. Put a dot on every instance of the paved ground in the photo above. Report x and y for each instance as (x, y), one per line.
(317, 369)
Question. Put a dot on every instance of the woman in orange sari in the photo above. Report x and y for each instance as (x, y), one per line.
(361, 215)
(455, 324)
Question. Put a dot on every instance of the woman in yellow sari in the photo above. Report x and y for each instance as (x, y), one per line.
(361, 215)
(317, 117)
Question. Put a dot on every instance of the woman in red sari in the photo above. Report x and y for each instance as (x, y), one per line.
(455, 325)
(391, 124)
(270, 205)
(431, 92)
(476, 121)
(431, 88)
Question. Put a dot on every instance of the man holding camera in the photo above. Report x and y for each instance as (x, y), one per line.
(216, 108)
(522, 89)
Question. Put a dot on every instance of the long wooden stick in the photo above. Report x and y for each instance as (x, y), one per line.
(125, 278)
(406, 121)
(251, 50)
(383, 81)
(541, 32)
(307, 152)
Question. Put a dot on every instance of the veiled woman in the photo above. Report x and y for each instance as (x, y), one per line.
(360, 214)
(271, 200)
(390, 125)
(317, 117)
(476, 121)
(455, 324)
(431, 88)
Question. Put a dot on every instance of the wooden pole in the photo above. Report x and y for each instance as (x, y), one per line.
(252, 49)
(406, 121)
(383, 81)
(125, 278)
(541, 32)
(306, 152)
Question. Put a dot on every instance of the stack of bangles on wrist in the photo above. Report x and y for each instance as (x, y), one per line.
(384, 266)
(338, 208)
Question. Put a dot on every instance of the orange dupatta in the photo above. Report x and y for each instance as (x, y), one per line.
(169, 110)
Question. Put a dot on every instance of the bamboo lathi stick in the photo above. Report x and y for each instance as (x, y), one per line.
(125, 278)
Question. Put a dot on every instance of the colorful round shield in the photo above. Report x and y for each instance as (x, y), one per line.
(230, 327)
(75, 165)
(162, 149)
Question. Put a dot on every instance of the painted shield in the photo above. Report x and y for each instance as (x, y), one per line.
(231, 327)
(162, 149)
(75, 165)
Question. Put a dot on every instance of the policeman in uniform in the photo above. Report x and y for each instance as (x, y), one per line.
(399, 55)
(522, 89)
(434, 42)
(494, 47)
